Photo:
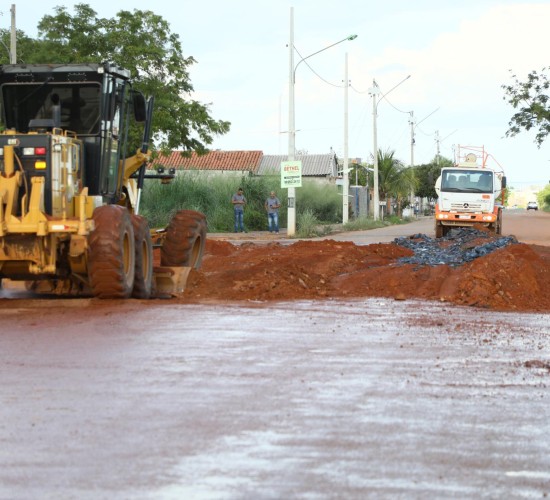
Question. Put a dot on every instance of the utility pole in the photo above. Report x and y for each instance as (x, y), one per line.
(345, 173)
(13, 38)
(413, 126)
(376, 201)
(374, 91)
(411, 123)
(291, 210)
(437, 147)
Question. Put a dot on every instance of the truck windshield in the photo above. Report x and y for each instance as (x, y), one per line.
(472, 181)
(71, 106)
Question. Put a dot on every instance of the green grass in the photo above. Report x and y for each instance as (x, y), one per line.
(211, 194)
(318, 205)
(363, 223)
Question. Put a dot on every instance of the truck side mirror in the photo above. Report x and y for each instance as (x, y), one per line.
(503, 182)
(138, 100)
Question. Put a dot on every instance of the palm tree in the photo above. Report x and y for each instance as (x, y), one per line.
(394, 179)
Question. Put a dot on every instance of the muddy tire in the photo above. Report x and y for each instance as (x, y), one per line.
(143, 276)
(439, 231)
(185, 240)
(111, 254)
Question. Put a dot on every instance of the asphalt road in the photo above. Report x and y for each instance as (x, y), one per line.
(531, 227)
(309, 400)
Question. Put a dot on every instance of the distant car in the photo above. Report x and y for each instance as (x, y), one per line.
(532, 205)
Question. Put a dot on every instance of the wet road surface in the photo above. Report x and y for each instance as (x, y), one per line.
(319, 399)
(311, 400)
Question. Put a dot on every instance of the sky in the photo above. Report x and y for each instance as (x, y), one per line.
(458, 56)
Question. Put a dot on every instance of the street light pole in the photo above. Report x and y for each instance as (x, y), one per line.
(345, 184)
(291, 211)
(374, 91)
(413, 142)
(411, 197)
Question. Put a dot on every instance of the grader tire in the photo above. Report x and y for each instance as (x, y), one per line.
(143, 276)
(111, 254)
(185, 240)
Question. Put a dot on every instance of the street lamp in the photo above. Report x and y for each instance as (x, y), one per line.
(291, 213)
(345, 173)
(374, 91)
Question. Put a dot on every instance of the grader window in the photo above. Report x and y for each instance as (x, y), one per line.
(67, 106)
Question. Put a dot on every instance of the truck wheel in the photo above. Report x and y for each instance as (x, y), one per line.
(111, 254)
(143, 277)
(185, 240)
(439, 231)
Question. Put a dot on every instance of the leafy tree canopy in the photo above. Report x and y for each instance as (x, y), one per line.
(141, 42)
(426, 176)
(543, 197)
(531, 99)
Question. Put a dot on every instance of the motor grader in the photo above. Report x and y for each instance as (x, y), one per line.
(70, 187)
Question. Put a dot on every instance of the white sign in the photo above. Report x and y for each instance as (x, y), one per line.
(291, 174)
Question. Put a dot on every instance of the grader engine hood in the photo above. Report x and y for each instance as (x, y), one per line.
(55, 159)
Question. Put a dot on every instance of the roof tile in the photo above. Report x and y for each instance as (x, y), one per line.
(214, 160)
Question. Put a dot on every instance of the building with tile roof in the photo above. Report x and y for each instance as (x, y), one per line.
(239, 162)
(321, 166)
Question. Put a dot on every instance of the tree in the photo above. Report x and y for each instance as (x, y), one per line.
(543, 197)
(26, 46)
(532, 100)
(427, 174)
(141, 42)
(394, 179)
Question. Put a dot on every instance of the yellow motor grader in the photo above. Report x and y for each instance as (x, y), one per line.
(70, 187)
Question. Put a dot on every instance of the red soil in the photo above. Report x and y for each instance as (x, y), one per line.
(515, 278)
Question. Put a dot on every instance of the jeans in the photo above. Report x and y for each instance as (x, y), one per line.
(273, 222)
(239, 220)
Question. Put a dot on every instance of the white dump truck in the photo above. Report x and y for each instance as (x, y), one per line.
(471, 193)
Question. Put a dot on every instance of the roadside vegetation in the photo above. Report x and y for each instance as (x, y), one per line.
(141, 42)
(543, 198)
(318, 206)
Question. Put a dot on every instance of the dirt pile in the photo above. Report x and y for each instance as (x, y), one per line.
(499, 275)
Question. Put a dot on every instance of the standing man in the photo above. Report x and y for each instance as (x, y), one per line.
(239, 201)
(272, 205)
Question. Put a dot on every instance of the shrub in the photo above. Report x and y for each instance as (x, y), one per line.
(211, 194)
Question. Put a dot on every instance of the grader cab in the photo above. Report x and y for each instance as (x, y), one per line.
(70, 187)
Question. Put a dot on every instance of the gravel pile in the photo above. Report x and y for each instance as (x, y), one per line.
(461, 245)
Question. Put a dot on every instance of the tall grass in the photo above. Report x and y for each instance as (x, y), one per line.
(316, 203)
